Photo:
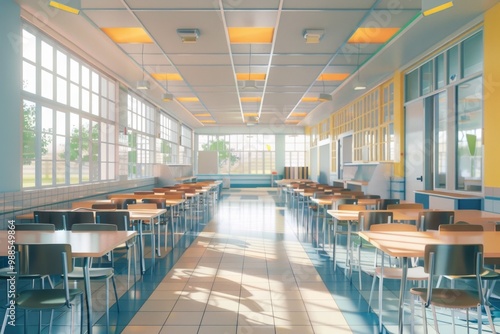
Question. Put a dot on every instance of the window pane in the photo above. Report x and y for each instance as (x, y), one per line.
(29, 77)
(29, 46)
(62, 64)
(469, 135)
(426, 78)
(441, 132)
(74, 69)
(440, 71)
(453, 68)
(472, 55)
(85, 77)
(412, 89)
(62, 91)
(47, 56)
(47, 85)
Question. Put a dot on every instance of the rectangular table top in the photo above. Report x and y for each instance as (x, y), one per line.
(83, 244)
(412, 244)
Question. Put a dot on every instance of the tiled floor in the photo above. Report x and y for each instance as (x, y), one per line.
(248, 271)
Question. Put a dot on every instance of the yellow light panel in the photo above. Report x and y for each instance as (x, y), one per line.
(299, 114)
(333, 76)
(372, 35)
(167, 76)
(128, 35)
(291, 121)
(250, 99)
(188, 99)
(247, 35)
(309, 99)
(251, 76)
(202, 115)
(250, 114)
(438, 8)
(63, 7)
(207, 121)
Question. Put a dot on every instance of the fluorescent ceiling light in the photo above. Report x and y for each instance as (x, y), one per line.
(313, 36)
(430, 7)
(70, 6)
(249, 85)
(252, 120)
(167, 97)
(359, 86)
(323, 97)
(142, 85)
(188, 35)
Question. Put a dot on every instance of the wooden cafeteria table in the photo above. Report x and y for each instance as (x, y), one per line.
(405, 245)
(83, 244)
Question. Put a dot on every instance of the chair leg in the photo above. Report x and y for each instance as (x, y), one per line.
(435, 318)
(81, 313)
(4, 323)
(107, 304)
(116, 293)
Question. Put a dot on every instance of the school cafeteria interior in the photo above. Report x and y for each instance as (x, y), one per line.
(249, 166)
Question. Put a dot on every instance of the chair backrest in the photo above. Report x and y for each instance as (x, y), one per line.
(368, 196)
(43, 259)
(104, 206)
(399, 206)
(144, 192)
(94, 227)
(160, 202)
(58, 218)
(142, 206)
(352, 193)
(36, 227)
(119, 218)
(384, 202)
(122, 203)
(342, 201)
(372, 217)
(460, 227)
(430, 220)
(80, 217)
(396, 227)
(459, 260)
(351, 207)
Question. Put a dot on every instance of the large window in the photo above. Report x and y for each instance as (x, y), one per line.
(241, 154)
(469, 134)
(167, 148)
(68, 116)
(457, 128)
(185, 151)
(141, 154)
(295, 150)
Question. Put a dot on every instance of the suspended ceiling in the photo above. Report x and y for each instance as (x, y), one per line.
(268, 74)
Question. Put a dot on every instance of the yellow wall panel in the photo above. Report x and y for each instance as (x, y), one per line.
(491, 97)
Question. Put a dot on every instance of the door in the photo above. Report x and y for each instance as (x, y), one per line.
(414, 148)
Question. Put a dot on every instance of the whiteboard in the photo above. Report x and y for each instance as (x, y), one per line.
(208, 162)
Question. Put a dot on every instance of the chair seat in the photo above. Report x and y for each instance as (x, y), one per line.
(414, 274)
(45, 299)
(449, 298)
(94, 273)
(485, 275)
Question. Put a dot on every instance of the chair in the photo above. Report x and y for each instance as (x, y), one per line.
(122, 221)
(383, 203)
(97, 274)
(58, 218)
(365, 220)
(404, 206)
(44, 260)
(430, 220)
(144, 192)
(80, 217)
(104, 206)
(161, 204)
(461, 227)
(414, 273)
(338, 225)
(36, 227)
(453, 260)
(342, 201)
(151, 224)
(6, 273)
(122, 203)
